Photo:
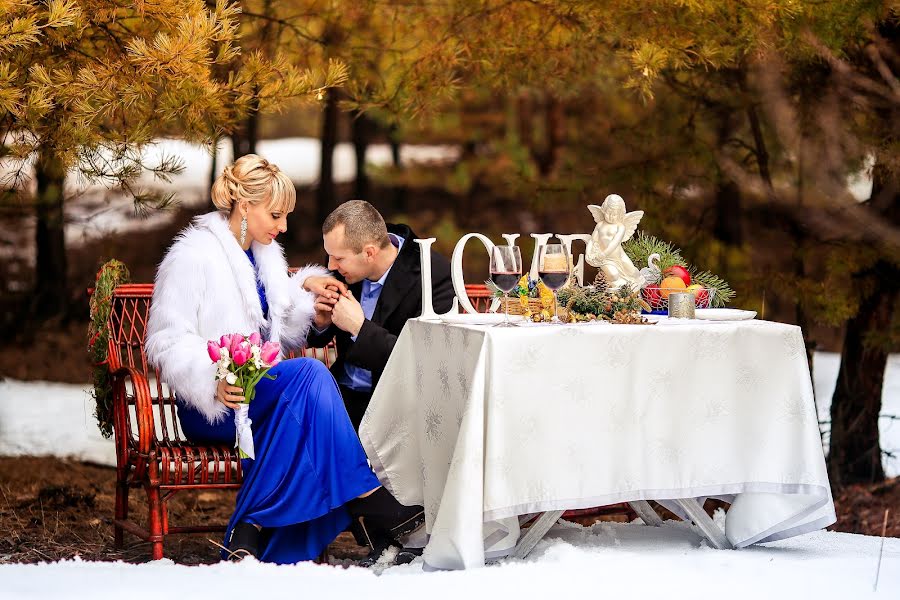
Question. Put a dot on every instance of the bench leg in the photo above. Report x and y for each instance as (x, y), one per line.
(121, 513)
(712, 532)
(154, 521)
(537, 531)
(646, 513)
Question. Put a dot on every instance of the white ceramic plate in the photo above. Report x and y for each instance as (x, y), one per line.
(724, 314)
(478, 318)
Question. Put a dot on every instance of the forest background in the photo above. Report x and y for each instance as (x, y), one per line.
(741, 128)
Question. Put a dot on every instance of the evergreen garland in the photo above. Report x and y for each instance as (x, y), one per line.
(110, 275)
(618, 305)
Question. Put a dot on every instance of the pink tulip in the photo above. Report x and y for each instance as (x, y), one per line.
(225, 341)
(269, 353)
(214, 350)
(236, 341)
(254, 338)
(240, 355)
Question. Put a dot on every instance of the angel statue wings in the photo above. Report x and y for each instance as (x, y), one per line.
(604, 251)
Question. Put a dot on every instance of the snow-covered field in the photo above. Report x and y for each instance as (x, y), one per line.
(572, 562)
(625, 560)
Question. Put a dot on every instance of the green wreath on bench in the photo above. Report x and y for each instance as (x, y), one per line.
(110, 275)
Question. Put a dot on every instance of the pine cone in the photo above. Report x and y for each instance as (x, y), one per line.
(600, 282)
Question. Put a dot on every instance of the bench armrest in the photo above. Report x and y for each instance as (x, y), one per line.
(143, 404)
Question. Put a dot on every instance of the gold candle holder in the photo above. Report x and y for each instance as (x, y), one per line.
(681, 305)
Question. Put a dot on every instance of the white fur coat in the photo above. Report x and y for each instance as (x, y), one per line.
(205, 288)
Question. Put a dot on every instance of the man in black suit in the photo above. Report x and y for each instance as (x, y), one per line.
(381, 265)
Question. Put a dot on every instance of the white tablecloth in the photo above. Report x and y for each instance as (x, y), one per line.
(481, 424)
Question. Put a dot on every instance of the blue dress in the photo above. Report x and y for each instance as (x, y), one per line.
(309, 462)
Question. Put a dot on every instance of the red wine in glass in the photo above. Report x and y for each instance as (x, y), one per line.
(506, 281)
(554, 279)
(553, 267)
(506, 270)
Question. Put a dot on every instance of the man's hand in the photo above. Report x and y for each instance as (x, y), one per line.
(324, 307)
(348, 315)
(325, 286)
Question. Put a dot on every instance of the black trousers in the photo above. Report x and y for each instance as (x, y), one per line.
(356, 403)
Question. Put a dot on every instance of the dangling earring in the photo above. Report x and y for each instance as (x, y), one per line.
(243, 230)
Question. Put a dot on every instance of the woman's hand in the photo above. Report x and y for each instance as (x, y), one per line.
(229, 395)
(325, 286)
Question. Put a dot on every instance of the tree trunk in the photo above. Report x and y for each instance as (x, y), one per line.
(554, 130)
(213, 174)
(51, 290)
(727, 225)
(361, 130)
(855, 452)
(398, 192)
(325, 195)
(243, 140)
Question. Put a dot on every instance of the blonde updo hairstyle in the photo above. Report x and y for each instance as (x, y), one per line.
(254, 179)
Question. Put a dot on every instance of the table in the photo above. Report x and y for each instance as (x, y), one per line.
(481, 425)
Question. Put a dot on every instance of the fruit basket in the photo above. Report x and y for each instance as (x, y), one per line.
(656, 299)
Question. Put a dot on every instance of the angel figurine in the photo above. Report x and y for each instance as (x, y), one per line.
(604, 251)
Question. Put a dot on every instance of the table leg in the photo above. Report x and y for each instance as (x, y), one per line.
(536, 532)
(712, 532)
(646, 512)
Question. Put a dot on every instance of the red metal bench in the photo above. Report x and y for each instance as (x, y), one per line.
(151, 451)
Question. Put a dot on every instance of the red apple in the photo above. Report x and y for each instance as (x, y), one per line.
(701, 295)
(681, 272)
(652, 296)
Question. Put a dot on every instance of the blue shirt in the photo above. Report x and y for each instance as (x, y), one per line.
(353, 377)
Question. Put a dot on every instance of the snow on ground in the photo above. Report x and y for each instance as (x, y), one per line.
(572, 562)
(25, 429)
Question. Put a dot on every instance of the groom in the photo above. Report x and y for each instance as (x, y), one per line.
(381, 265)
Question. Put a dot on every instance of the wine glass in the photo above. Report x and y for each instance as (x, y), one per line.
(506, 270)
(553, 268)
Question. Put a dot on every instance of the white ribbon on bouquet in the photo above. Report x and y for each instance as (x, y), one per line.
(242, 423)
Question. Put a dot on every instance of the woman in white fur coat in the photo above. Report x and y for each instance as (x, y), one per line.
(225, 273)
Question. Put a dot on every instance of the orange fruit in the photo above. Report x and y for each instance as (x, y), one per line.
(671, 284)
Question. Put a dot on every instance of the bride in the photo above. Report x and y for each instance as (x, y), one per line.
(225, 273)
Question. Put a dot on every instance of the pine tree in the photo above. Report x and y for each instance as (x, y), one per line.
(84, 86)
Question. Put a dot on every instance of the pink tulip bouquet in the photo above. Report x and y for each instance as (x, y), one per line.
(243, 361)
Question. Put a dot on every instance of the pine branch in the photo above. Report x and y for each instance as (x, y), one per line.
(723, 293)
(641, 246)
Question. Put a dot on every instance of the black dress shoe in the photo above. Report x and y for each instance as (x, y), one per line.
(376, 548)
(380, 544)
(380, 512)
(407, 555)
(244, 541)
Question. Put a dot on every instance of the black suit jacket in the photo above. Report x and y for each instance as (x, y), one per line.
(400, 300)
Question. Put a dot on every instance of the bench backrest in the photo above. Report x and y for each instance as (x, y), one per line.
(127, 333)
